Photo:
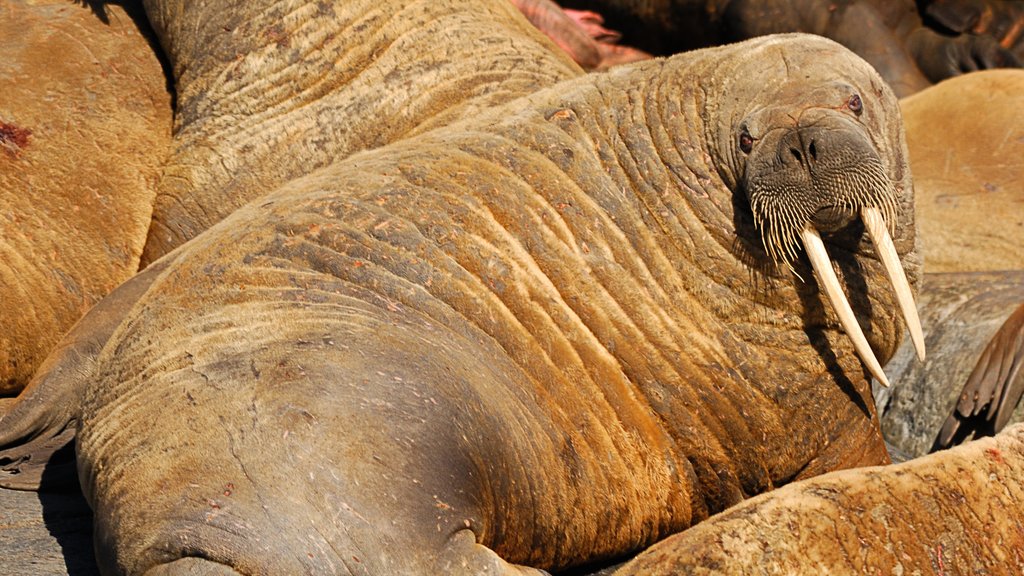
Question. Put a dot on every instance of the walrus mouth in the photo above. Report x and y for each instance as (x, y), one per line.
(787, 207)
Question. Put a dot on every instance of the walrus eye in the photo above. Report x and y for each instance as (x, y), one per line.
(746, 141)
(855, 105)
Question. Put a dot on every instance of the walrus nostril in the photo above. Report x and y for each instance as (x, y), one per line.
(813, 151)
(796, 154)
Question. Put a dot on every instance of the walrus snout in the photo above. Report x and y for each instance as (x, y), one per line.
(818, 176)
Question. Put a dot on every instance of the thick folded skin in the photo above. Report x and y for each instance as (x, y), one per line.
(272, 90)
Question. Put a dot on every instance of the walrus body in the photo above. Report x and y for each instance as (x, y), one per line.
(271, 90)
(82, 135)
(890, 35)
(968, 196)
(955, 512)
(968, 181)
(960, 312)
(529, 339)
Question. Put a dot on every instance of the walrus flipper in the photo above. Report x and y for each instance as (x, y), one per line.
(996, 383)
(41, 422)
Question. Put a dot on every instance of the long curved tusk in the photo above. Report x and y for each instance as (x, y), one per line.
(815, 249)
(875, 225)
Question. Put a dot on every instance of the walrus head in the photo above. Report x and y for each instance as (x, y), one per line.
(816, 148)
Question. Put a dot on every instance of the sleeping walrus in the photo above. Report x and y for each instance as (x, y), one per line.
(549, 335)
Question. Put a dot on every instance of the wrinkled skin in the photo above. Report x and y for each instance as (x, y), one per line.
(966, 142)
(272, 90)
(934, 515)
(889, 35)
(504, 58)
(85, 120)
(961, 312)
(477, 349)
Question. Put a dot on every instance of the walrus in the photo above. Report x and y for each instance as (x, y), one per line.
(271, 90)
(580, 33)
(969, 191)
(1000, 20)
(522, 342)
(969, 384)
(955, 512)
(82, 137)
(967, 197)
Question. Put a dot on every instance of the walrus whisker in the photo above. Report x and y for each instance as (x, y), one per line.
(822, 265)
(875, 225)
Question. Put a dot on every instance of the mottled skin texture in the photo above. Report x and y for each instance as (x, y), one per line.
(888, 34)
(544, 337)
(85, 120)
(271, 90)
(960, 313)
(966, 142)
(955, 512)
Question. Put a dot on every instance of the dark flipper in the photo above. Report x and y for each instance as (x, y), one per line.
(41, 422)
(1001, 20)
(993, 388)
(940, 57)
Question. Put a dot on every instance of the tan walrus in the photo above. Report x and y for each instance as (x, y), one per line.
(85, 120)
(269, 91)
(954, 512)
(526, 341)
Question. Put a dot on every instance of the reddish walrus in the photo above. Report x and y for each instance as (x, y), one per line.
(549, 335)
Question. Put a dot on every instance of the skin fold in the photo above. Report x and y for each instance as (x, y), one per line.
(271, 90)
(233, 114)
(474, 350)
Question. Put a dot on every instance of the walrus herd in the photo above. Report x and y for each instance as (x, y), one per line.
(418, 295)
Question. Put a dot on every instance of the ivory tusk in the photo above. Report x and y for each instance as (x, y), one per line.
(815, 249)
(875, 225)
